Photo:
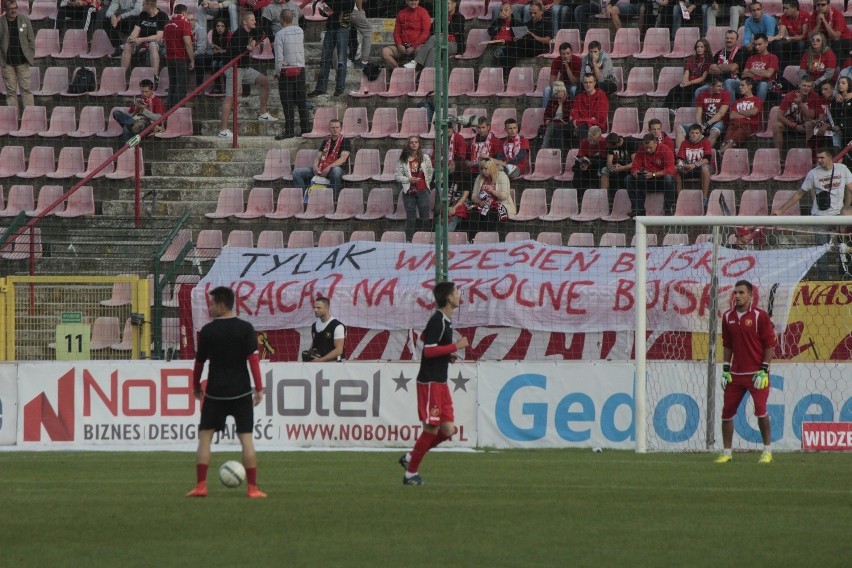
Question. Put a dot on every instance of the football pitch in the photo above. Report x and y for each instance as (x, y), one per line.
(490, 508)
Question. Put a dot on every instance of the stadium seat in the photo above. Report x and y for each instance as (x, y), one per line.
(690, 202)
(350, 203)
(766, 165)
(320, 203)
(531, 120)
(734, 165)
(55, 81)
(550, 238)
(276, 165)
(595, 206)
(20, 198)
(516, 236)
(136, 76)
(548, 165)
(568, 172)
(379, 204)
(393, 237)
(520, 82)
(399, 212)
(486, 238)
(178, 124)
(656, 44)
(640, 82)
(300, 239)
(791, 73)
(362, 236)
(674, 239)
(471, 9)
(469, 132)
(391, 158)
(43, 9)
(769, 124)
(626, 43)
(330, 238)
(20, 248)
(125, 165)
(668, 78)
(797, 165)
(460, 82)
(170, 329)
(33, 121)
(597, 34)
(754, 202)
(260, 203)
(290, 203)
(571, 35)
(101, 46)
(69, 164)
(322, 116)
(621, 207)
(781, 197)
(618, 75)
(457, 238)
(46, 43)
(474, 48)
(403, 81)
(8, 119)
(426, 84)
(613, 240)
(63, 121)
(661, 114)
(499, 118)
(47, 195)
(42, 161)
(81, 203)
(97, 156)
(654, 204)
(106, 331)
(366, 165)
(563, 204)
(91, 122)
(650, 240)
(540, 83)
(113, 129)
(714, 202)
(229, 203)
(355, 122)
(414, 123)
(12, 161)
(581, 240)
(684, 42)
(370, 88)
(270, 239)
(716, 37)
(684, 116)
(423, 238)
(490, 82)
(625, 121)
(385, 122)
(74, 44)
(208, 245)
(113, 81)
(263, 52)
(533, 205)
(240, 238)
(703, 238)
(122, 294)
(161, 88)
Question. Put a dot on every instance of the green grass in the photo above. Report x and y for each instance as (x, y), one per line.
(513, 508)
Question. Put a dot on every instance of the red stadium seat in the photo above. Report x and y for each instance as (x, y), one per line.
(781, 197)
(568, 172)
(97, 156)
(684, 43)
(714, 202)
(74, 44)
(21, 248)
(8, 119)
(240, 239)
(403, 81)
(355, 122)
(330, 238)
(113, 129)
(486, 238)
(106, 331)
(33, 121)
(716, 37)
(596, 34)
(113, 81)
(91, 122)
(270, 239)
(414, 123)
(516, 236)
(650, 240)
(20, 198)
(474, 48)
(291, 202)
(391, 158)
(385, 123)
(136, 76)
(531, 120)
(533, 205)
(208, 245)
(370, 88)
(625, 121)
(520, 82)
(661, 114)
(263, 52)
(656, 44)
(12, 161)
(734, 165)
(457, 238)
(770, 124)
(668, 78)
(426, 84)
(690, 202)
(621, 207)
(595, 206)
(320, 203)
(300, 239)
(684, 117)
(43, 9)
(471, 9)
(613, 240)
(581, 240)
(101, 46)
(393, 237)
(754, 202)
(490, 82)
(260, 203)
(675, 239)
(540, 83)
(63, 121)
(626, 43)
(550, 238)
(178, 124)
(55, 81)
(46, 43)
(499, 118)
(797, 165)
(571, 35)
(125, 166)
(640, 82)
(379, 204)
(362, 236)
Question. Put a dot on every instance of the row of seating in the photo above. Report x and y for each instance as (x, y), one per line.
(63, 122)
(106, 333)
(81, 203)
(48, 9)
(42, 163)
(112, 82)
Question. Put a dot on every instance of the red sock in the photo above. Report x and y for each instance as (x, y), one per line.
(251, 475)
(439, 439)
(201, 472)
(423, 444)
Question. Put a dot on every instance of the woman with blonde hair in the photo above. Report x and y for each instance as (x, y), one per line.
(557, 118)
(818, 62)
(414, 175)
(491, 197)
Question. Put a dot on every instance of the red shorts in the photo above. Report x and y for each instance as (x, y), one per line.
(735, 392)
(434, 403)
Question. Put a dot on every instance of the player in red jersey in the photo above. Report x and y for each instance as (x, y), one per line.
(228, 342)
(748, 337)
(434, 403)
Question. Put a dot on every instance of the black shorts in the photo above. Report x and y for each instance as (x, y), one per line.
(214, 412)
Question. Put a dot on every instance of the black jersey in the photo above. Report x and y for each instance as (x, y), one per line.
(227, 343)
(439, 331)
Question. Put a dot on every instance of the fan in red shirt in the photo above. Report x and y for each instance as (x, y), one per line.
(590, 108)
(711, 111)
(139, 116)
(180, 57)
(796, 109)
(762, 67)
(653, 171)
(655, 127)
(832, 23)
(748, 337)
(590, 159)
(515, 155)
(695, 159)
(485, 144)
(745, 116)
(410, 31)
(793, 29)
(566, 68)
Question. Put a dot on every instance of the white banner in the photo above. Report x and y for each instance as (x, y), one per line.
(8, 404)
(525, 285)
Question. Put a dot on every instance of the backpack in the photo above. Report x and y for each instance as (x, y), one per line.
(83, 81)
(371, 71)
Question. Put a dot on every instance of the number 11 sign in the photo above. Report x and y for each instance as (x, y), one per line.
(72, 341)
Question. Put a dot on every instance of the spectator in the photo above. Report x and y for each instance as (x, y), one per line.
(535, 42)
(831, 22)
(711, 113)
(696, 69)
(200, 47)
(796, 109)
(17, 51)
(618, 162)
(336, 41)
(598, 63)
(221, 10)
(516, 7)
(244, 39)
(744, 121)
(736, 9)
(590, 108)
(618, 8)
(333, 155)
(695, 159)
(819, 62)
(459, 180)
(410, 31)
(841, 112)
(591, 158)
(289, 48)
(759, 23)
(425, 56)
(761, 67)
(566, 68)
(682, 11)
(653, 171)
(80, 12)
(655, 127)
(254, 6)
(727, 62)
(793, 31)
(364, 29)
(485, 144)
(270, 18)
(492, 199)
(580, 16)
(557, 118)
(145, 42)
(119, 19)
(414, 175)
(816, 129)
(515, 156)
(145, 109)
(218, 39)
(554, 9)
(501, 32)
(180, 58)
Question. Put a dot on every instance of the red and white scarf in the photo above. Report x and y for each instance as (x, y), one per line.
(330, 153)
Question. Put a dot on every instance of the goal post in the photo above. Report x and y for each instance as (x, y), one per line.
(676, 394)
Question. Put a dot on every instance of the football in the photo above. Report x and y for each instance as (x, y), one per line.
(232, 474)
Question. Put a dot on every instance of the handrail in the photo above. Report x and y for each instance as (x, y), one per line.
(160, 283)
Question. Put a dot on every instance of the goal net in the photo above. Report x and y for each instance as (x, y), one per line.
(800, 268)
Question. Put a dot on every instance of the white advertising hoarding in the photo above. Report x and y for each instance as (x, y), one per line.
(8, 404)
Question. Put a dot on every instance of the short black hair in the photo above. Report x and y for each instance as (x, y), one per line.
(695, 126)
(222, 295)
(649, 138)
(509, 121)
(323, 300)
(565, 45)
(442, 292)
(612, 139)
(756, 37)
(745, 283)
(146, 83)
(179, 9)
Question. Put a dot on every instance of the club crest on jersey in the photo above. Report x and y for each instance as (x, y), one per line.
(748, 323)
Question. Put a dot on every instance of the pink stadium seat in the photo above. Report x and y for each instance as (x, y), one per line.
(105, 332)
(490, 82)
(426, 84)
(41, 161)
(769, 124)
(350, 203)
(618, 75)
(716, 37)
(626, 43)
(613, 240)
(260, 203)
(208, 246)
(393, 237)
(330, 238)
(366, 165)
(46, 43)
(486, 238)
(229, 203)
(290, 203)
(684, 116)
(520, 82)
(74, 44)
(550, 238)
(640, 82)
(33, 121)
(530, 122)
(379, 204)
(362, 236)
(311, 14)
(781, 197)
(571, 35)
(91, 122)
(391, 158)
(734, 165)
(414, 123)
(540, 83)
(125, 166)
(276, 165)
(461, 82)
(423, 238)
(355, 122)
(20, 198)
(797, 165)
(714, 202)
(20, 249)
(471, 9)
(498, 119)
(320, 204)
(621, 207)
(263, 52)
(533, 204)
(656, 44)
(399, 213)
(563, 204)
(684, 43)
(457, 238)
(8, 119)
(113, 81)
(402, 82)
(113, 129)
(270, 239)
(791, 73)
(55, 81)
(240, 239)
(12, 161)
(766, 165)
(661, 114)
(300, 239)
(370, 88)
(42, 9)
(548, 165)
(595, 206)
(469, 132)
(690, 202)
(47, 195)
(568, 172)
(474, 48)
(669, 77)
(162, 84)
(101, 46)
(516, 236)
(63, 120)
(97, 156)
(322, 116)
(675, 239)
(81, 203)
(122, 294)
(581, 240)
(137, 75)
(385, 123)
(754, 202)
(596, 34)
(305, 158)
(654, 204)
(69, 164)
(625, 121)
(178, 124)
(650, 240)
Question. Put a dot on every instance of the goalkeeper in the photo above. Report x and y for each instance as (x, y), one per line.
(748, 337)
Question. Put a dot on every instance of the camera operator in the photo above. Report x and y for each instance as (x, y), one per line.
(328, 335)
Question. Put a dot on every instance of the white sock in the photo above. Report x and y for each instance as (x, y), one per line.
(408, 456)
(767, 449)
(410, 475)
(728, 451)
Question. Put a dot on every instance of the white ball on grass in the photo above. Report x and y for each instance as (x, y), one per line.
(232, 474)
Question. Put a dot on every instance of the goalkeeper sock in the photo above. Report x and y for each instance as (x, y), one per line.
(728, 452)
(767, 449)
(201, 472)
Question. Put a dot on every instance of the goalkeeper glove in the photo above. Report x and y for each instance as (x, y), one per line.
(726, 375)
(761, 378)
